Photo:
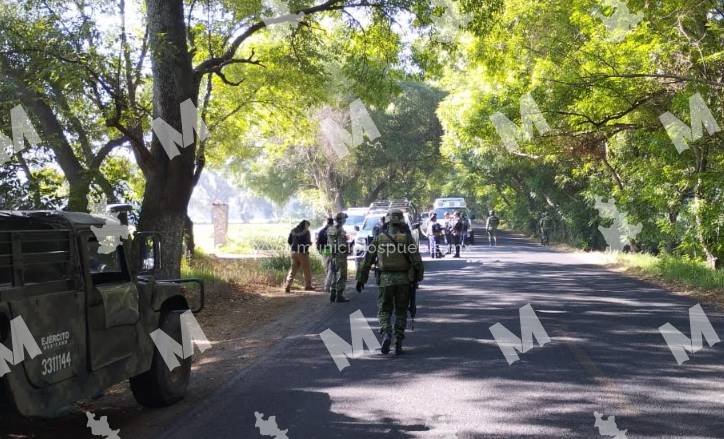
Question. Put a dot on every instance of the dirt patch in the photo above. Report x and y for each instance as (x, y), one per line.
(240, 321)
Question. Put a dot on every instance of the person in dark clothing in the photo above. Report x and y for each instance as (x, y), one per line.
(434, 236)
(378, 228)
(300, 241)
(325, 251)
(457, 233)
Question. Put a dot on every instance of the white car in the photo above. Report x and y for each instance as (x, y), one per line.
(355, 219)
(364, 236)
(366, 232)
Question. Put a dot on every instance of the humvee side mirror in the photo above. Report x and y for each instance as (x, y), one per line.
(356, 228)
(149, 252)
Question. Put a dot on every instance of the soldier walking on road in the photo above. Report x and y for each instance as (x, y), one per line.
(492, 227)
(340, 249)
(325, 250)
(400, 265)
(545, 225)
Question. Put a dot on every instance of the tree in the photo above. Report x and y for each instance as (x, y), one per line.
(602, 96)
(405, 161)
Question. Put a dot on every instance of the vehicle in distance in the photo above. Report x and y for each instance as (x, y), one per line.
(377, 211)
(355, 218)
(91, 308)
(443, 206)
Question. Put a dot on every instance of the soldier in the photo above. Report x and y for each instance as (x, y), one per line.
(324, 250)
(340, 249)
(492, 226)
(545, 225)
(457, 230)
(400, 265)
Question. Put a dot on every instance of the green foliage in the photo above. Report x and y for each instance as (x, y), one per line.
(683, 271)
(404, 162)
(602, 99)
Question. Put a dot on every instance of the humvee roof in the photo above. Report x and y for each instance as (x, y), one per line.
(59, 218)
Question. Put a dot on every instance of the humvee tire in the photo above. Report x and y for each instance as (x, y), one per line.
(160, 387)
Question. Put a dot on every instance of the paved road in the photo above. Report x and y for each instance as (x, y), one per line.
(606, 355)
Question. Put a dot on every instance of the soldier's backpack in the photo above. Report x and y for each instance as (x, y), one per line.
(321, 241)
(392, 252)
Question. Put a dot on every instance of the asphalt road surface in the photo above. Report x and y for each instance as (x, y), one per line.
(606, 355)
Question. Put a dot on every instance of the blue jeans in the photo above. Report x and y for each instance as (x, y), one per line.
(432, 245)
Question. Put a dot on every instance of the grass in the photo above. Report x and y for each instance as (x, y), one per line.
(263, 272)
(680, 271)
(244, 239)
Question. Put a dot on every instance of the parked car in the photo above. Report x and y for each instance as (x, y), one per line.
(378, 210)
(355, 218)
(90, 308)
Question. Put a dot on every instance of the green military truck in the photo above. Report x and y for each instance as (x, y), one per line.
(90, 311)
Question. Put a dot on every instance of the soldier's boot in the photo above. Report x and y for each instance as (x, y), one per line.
(386, 342)
(341, 298)
(332, 296)
(398, 346)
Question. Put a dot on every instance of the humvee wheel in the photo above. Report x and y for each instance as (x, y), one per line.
(160, 387)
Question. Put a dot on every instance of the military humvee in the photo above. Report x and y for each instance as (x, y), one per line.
(90, 312)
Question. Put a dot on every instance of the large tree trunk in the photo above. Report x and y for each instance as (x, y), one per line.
(170, 182)
(189, 237)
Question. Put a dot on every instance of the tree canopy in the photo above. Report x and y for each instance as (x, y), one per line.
(520, 105)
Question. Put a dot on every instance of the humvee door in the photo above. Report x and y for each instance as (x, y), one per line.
(112, 303)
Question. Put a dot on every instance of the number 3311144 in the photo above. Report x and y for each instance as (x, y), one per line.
(56, 363)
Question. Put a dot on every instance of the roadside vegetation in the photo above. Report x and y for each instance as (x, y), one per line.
(247, 274)
(679, 272)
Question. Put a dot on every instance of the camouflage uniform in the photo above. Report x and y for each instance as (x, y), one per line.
(399, 262)
(545, 228)
(339, 246)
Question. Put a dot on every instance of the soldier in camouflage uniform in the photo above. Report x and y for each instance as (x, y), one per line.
(340, 249)
(398, 260)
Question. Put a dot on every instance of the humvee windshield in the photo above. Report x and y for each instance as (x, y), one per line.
(106, 268)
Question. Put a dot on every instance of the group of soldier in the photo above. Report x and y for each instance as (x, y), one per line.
(451, 230)
(394, 257)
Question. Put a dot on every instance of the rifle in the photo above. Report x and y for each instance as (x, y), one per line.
(413, 304)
